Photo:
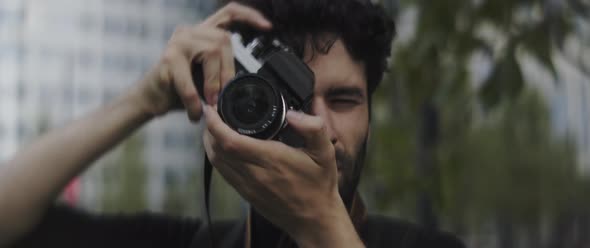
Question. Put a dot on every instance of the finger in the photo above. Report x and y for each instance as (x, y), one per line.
(315, 135)
(193, 42)
(228, 70)
(212, 77)
(229, 175)
(236, 12)
(232, 169)
(209, 47)
(232, 142)
(208, 145)
(185, 88)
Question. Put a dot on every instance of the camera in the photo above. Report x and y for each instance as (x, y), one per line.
(269, 81)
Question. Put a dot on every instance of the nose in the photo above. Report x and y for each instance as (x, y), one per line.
(321, 109)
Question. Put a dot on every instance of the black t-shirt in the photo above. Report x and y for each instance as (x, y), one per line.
(69, 228)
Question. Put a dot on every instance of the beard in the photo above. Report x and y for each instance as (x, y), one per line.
(350, 166)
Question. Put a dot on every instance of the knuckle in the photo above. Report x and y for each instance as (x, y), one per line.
(248, 192)
(214, 144)
(219, 152)
(320, 126)
(330, 153)
(164, 77)
(228, 146)
(211, 80)
(217, 48)
(213, 50)
(180, 29)
(214, 158)
(225, 38)
(189, 96)
(262, 179)
(170, 55)
(192, 116)
(227, 76)
(231, 7)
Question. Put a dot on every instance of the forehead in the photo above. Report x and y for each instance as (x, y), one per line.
(336, 69)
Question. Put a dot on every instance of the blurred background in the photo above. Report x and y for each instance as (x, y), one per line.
(481, 127)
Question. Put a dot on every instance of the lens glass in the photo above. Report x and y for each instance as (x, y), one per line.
(251, 103)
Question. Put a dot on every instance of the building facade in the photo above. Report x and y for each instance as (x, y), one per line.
(62, 59)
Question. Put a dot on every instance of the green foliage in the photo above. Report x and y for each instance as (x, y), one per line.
(496, 154)
(125, 179)
(510, 165)
(448, 33)
(182, 191)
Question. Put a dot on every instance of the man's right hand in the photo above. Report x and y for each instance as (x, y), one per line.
(208, 44)
(32, 179)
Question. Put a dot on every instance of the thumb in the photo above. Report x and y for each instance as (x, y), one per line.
(315, 134)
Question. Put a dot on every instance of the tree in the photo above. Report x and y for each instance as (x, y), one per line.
(125, 180)
(431, 103)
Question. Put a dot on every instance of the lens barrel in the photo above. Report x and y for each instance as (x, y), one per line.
(252, 106)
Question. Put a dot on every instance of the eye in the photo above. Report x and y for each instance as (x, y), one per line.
(344, 102)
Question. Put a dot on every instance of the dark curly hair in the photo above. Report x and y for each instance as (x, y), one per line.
(364, 28)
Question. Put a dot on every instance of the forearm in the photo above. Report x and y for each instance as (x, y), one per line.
(33, 178)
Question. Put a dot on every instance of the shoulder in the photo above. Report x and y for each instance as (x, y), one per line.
(382, 231)
(64, 226)
(59, 215)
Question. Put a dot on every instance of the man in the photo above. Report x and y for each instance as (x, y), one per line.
(305, 197)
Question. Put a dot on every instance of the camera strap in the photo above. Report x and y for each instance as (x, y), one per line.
(207, 174)
(201, 236)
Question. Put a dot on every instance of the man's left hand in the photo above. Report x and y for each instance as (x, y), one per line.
(296, 189)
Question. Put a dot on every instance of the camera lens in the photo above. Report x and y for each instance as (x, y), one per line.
(252, 106)
(251, 103)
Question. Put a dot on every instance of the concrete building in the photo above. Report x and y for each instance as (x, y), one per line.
(61, 59)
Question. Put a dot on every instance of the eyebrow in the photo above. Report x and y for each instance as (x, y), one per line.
(345, 91)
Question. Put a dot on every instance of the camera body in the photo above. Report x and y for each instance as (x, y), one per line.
(269, 81)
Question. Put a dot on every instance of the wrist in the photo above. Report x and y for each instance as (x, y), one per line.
(136, 99)
(137, 104)
(332, 229)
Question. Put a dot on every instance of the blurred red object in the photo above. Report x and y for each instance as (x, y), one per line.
(72, 192)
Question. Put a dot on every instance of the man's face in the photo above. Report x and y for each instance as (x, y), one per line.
(340, 98)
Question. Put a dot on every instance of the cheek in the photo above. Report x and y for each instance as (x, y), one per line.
(352, 129)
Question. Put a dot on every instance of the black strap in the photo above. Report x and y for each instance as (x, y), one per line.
(199, 236)
(207, 173)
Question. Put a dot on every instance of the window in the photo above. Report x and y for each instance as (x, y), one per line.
(113, 25)
(45, 94)
(21, 131)
(11, 52)
(85, 96)
(109, 95)
(174, 3)
(21, 90)
(11, 17)
(87, 21)
(112, 62)
(143, 32)
(86, 60)
(168, 31)
(2, 131)
(206, 7)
